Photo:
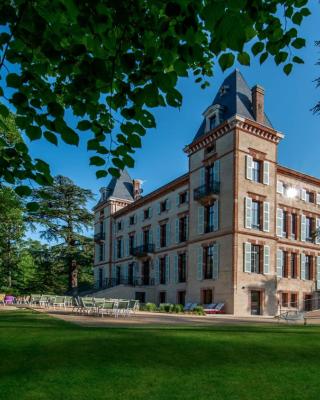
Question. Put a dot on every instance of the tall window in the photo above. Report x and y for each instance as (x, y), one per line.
(256, 171)
(183, 229)
(163, 235)
(285, 299)
(212, 122)
(209, 175)
(183, 198)
(256, 254)
(131, 243)
(294, 225)
(309, 229)
(147, 213)
(256, 219)
(209, 218)
(182, 267)
(119, 248)
(131, 220)
(308, 267)
(310, 197)
(285, 264)
(293, 265)
(162, 271)
(146, 237)
(208, 262)
(285, 224)
(207, 296)
(164, 205)
(294, 300)
(101, 252)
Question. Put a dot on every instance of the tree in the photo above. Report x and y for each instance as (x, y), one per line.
(63, 215)
(316, 108)
(108, 63)
(12, 228)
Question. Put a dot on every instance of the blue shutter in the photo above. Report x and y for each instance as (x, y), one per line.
(150, 236)
(216, 171)
(157, 272)
(159, 208)
(216, 215)
(177, 200)
(215, 259)
(200, 220)
(177, 230)
(168, 204)
(176, 273)
(158, 237)
(200, 263)
(202, 176)
(168, 233)
(167, 269)
(136, 271)
(150, 212)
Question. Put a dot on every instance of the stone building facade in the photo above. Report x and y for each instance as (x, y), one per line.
(237, 228)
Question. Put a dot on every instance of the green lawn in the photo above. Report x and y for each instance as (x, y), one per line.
(44, 358)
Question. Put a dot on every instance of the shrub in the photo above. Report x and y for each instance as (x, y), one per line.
(177, 308)
(150, 307)
(199, 310)
(166, 307)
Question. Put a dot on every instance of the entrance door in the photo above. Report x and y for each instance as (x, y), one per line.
(182, 297)
(255, 302)
(146, 272)
(130, 274)
(118, 277)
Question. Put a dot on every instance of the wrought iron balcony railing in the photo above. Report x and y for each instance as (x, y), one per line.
(141, 251)
(99, 236)
(206, 190)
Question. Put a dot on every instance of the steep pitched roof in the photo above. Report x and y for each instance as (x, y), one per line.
(120, 188)
(235, 96)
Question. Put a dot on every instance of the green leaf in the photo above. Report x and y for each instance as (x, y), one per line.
(70, 137)
(96, 160)
(114, 172)
(13, 80)
(257, 48)
(93, 144)
(263, 57)
(23, 190)
(297, 60)
(134, 141)
(287, 68)
(33, 132)
(297, 18)
(84, 125)
(4, 111)
(32, 206)
(226, 61)
(298, 43)
(51, 137)
(243, 58)
(101, 173)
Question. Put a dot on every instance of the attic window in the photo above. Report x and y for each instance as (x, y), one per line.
(213, 116)
(212, 122)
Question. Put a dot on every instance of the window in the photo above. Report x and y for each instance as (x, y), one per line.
(183, 198)
(182, 267)
(309, 229)
(131, 244)
(294, 300)
(256, 217)
(101, 214)
(163, 235)
(256, 254)
(209, 175)
(209, 218)
(308, 267)
(162, 271)
(208, 262)
(182, 297)
(207, 296)
(256, 171)
(132, 220)
(284, 299)
(285, 224)
(294, 225)
(310, 197)
(119, 248)
(146, 237)
(163, 206)
(119, 225)
(183, 229)
(162, 297)
(147, 213)
(285, 264)
(101, 252)
(212, 122)
(293, 266)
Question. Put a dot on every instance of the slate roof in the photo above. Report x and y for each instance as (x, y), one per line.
(235, 95)
(120, 188)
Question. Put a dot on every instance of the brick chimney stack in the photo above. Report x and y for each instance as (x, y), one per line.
(137, 190)
(258, 103)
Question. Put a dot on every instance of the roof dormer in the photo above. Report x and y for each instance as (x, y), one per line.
(213, 116)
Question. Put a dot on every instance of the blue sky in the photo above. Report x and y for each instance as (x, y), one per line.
(288, 101)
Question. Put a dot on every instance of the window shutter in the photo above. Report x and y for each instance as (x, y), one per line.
(303, 228)
(202, 176)
(215, 259)
(167, 269)
(247, 257)
(248, 212)
(135, 218)
(168, 204)
(177, 230)
(318, 272)
(125, 273)
(317, 233)
(142, 216)
(280, 187)
(187, 227)
(249, 161)
(318, 199)
(216, 171)
(168, 233)
(177, 200)
(157, 271)
(159, 208)
(150, 236)
(141, 238)
(266, 259)
(115, 249)
(303, 194)
(200, 220)
(303, 266)
(127, 247)
(266, 216)
(122, 247)
(266, 172)
(279, 222)
(176, 274)
(200, 264)
(158, 237)
(216, 215)
(187, 196)
(150, 212)
(279, 263)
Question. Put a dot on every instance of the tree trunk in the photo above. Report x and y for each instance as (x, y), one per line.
(73, 277)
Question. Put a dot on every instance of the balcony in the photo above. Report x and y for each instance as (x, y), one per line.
(99, 237)
(206, 192)
(144, 250)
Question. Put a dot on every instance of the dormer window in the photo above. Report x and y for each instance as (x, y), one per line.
(213, 116)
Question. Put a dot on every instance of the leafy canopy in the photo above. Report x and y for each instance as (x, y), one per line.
(109, 62)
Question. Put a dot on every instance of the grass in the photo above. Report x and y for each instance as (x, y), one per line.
(45, 358)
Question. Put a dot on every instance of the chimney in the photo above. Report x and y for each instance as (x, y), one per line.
(258, 103)
(137, 190)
